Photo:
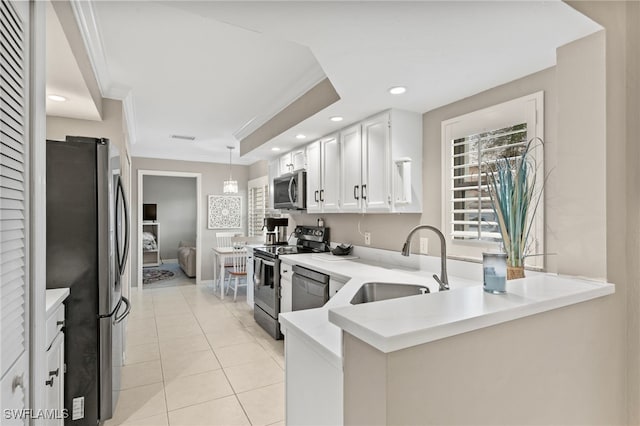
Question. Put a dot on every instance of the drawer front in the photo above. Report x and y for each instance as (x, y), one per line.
(55, 322)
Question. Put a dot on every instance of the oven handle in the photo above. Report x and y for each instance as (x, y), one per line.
(291, 180)
(258, 273)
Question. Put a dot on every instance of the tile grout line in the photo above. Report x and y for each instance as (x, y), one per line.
(237, 312)
(235, 394)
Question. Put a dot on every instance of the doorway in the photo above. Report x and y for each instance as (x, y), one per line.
(153, 226)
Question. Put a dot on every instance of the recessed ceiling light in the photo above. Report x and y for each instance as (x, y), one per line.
(336, 118)
(275, 148)
(57, 98)
(301, 136)
(398, 90)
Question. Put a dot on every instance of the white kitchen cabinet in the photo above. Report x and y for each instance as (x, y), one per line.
(292, 161)
(314, 181)
(54, 385)
(334, 286)
(376, 164)
(286, 277)
(323, 175)
(351, 168)
(381, 164)
(54, 381)
(286, 165)
(313, 382)
(299, 159)
(330, 193)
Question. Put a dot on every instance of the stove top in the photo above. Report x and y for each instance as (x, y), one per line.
(275, 250)
(311, 239)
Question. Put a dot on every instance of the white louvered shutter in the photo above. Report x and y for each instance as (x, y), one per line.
(472, 215)
(13, 203)
(258, 204)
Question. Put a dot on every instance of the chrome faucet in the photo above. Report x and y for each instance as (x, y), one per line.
(443, 281)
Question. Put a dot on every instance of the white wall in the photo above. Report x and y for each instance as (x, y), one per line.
(176, 201)
(213, 174)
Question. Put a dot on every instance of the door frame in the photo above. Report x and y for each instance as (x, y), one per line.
(168, 173)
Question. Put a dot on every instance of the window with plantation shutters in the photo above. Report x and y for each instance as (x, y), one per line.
(471, 144)
(13, 187)
(472, 216)
(258, 204)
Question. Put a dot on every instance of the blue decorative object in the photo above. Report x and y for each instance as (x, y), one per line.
(494, 267)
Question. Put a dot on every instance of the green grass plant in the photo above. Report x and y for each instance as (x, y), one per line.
(515, 195)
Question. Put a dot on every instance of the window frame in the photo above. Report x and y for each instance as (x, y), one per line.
(261, 182)
(527, 109)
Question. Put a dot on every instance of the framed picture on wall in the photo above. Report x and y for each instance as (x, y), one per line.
(225, 212)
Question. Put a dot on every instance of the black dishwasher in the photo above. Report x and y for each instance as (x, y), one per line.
(310, 289)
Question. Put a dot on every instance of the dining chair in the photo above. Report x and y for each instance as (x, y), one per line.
(239, 265)
(223, 239)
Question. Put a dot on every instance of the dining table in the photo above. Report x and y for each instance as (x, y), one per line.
(220, 257)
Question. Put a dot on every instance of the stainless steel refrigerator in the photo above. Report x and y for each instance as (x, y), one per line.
(87, 247)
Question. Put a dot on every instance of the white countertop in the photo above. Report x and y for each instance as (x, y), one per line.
(54, 297)
(395, 324)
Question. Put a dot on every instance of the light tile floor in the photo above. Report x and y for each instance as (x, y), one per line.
(193, 359)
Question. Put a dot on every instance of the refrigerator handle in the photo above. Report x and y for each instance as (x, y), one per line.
(119, 318)
(123, 261)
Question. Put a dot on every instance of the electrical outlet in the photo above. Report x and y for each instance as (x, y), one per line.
(424, 245)
(367, 238)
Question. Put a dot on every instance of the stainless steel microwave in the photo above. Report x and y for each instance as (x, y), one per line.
(290, 191)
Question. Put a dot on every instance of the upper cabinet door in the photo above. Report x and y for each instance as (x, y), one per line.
(351, 168)
(376, 180)
(330, 195)
(286, 165)
(298, 159)
(314, 181)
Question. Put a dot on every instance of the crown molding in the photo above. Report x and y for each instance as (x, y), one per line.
(89, 29)
(309, 79)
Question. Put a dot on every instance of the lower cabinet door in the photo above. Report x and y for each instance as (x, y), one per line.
(285, 295)
(54, 384)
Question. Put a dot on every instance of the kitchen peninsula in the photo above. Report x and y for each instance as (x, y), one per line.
(413, 360)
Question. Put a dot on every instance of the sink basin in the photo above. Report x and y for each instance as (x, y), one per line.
(374, 292)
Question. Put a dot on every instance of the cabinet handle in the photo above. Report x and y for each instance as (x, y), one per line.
(49, 382)
(364, 192)
(54, 372)
(18, 382)
(315, 196)
(59, 322)
(355, 192)
(322, 195)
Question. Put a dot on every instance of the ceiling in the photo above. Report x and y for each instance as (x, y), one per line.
(64, 77)
(213, 69)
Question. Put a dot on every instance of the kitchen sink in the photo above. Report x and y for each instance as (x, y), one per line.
(374, 292)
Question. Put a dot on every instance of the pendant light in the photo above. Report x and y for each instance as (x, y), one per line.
(230, 186)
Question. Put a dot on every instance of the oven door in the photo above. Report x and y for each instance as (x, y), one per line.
(266, 287)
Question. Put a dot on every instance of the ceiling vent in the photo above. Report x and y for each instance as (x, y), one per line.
(183, 137)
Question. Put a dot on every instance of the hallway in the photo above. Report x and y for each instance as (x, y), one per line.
(193, 359)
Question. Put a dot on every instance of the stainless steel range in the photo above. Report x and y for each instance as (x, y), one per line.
(266, 273)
